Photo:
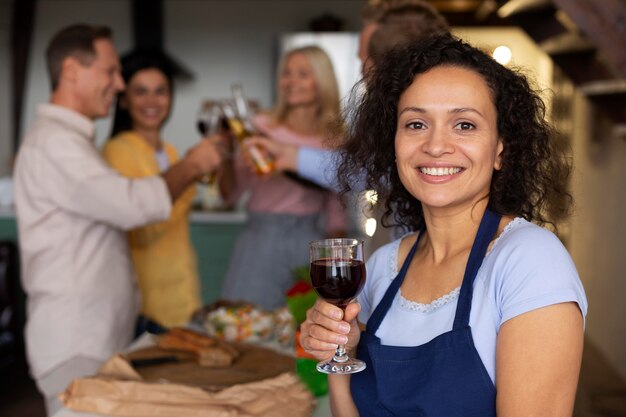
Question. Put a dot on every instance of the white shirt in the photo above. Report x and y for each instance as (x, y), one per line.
(72, 210)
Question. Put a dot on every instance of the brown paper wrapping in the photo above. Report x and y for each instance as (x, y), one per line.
(118, 390)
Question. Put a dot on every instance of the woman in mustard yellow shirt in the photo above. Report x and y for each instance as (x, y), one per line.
(162, 253)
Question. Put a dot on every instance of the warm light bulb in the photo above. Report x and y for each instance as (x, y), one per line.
(370, 227)
(502, 54)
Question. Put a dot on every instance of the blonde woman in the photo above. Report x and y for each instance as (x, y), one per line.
(284, 215)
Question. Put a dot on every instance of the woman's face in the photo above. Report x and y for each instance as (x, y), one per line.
(298, 86)
(148, 99)
(447, 143)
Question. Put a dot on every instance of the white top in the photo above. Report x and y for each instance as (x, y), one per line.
(526, 268)
(71, 211)
(162, 160)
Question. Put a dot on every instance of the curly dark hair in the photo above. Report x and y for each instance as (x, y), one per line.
(532, 182)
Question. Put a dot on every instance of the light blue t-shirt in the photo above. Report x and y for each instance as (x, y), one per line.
(319, 166)
(526, 268)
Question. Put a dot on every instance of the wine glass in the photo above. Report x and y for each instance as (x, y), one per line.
(209, 122)
(209, 119)
(338, 275)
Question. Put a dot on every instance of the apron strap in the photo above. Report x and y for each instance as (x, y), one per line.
(486, 231)
(381, 310)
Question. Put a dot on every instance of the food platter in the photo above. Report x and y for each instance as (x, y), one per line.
(253, 364)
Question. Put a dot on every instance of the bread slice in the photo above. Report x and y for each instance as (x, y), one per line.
(208, 351)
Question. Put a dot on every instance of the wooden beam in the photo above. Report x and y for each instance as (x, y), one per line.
(581, 67)
(540, 25)
(567, 43)
(609, 96)
(611, 105)
(21, 35)
(148, 24)
(456, 6)
(536, 17)
(147, 18)
(515, 7)
(604, 87)
(604, 23)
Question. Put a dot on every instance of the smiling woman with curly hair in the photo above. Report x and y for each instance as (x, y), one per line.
(532, 182)
(478, 311)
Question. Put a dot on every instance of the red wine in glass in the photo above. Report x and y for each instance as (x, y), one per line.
(210, 119)
(203, 127)
(338, 281)
(338, 275)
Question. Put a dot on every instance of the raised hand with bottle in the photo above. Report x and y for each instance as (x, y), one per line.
(241, 126)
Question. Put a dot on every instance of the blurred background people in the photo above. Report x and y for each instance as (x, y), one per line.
(386, 24)
(162, 253)
(389, 23)
(72, 210)
(284, 215)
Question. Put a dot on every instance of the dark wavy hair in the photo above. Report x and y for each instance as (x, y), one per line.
(132, 63)
(532, 182)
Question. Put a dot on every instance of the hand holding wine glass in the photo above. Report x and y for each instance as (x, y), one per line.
(337, 275)
(331, 326)
(205, 156)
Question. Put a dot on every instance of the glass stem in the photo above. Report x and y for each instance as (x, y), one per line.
(340, 354)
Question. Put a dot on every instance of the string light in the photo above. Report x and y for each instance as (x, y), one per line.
(371, 197)
(502, 54)
(370, 227)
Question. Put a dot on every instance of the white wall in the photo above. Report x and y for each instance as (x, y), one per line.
(342, 49)
(52, 15)
(221, 41)
(526, 54)
(598, 229)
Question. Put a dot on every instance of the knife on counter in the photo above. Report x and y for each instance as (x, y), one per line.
(139, 363)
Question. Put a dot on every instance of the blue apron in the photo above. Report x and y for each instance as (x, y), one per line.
(442, 378)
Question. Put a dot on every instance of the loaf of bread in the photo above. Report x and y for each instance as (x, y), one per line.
(208, 351)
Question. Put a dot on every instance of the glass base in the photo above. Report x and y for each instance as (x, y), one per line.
(349, 366)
